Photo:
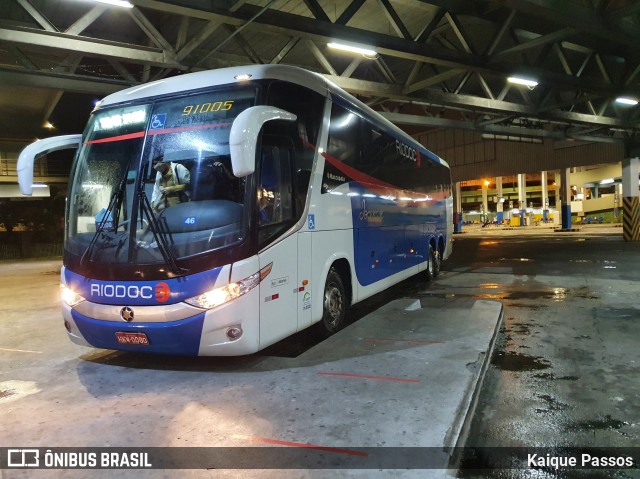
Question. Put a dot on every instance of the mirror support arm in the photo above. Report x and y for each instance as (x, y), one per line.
(41, 147)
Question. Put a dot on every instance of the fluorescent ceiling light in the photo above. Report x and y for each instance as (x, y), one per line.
(523, 81)
(625, 100)
(117, 3)
(606, 181)
(349, 48)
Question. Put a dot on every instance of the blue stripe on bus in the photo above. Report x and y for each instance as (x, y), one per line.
(181, 338)
(142, 293)
(390, 237)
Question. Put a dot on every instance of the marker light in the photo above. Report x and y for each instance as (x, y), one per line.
(367, 52)
(523, 81)
(624, 100)
(242, 76)
(224, 294)
(69, 296)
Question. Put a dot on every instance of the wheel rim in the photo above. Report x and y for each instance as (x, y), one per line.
(430, 261)
(333, 304)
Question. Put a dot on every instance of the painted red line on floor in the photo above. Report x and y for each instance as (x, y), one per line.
(416, 341)
(336, 450)
(362, 376)
(20, 351)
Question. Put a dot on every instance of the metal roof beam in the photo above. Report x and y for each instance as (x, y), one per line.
(459, 32)
(416, 120)
(431, 81)
(87, 19)
(541, 40)
(297, 26)
(349, 12)
(60, 81)
(198, 39)
(394, 19)
(429, 28)
(147, 27)
(316, 10)
(439, 98)
(37, 16)
(94, 47)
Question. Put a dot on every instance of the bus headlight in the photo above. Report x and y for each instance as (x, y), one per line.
(69, 296)
(224, 294)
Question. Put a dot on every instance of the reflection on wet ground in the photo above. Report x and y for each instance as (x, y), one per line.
(564, 371)
(510, 361)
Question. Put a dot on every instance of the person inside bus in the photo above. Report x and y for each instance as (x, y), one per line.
(171, 186)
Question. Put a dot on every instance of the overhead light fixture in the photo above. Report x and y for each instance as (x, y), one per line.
(117, 3)
(625, 100)
(528, 82)
(367, 52)
(607, 181)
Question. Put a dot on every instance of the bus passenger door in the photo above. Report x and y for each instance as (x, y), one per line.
(276, 215)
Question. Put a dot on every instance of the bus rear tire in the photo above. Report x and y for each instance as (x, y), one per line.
(334, 304)
(433, 264)
(437, 262)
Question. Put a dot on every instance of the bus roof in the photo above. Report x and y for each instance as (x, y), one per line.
(227, 76)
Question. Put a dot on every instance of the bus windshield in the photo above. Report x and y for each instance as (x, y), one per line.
(155, 181)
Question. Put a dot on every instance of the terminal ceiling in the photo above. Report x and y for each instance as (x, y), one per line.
(439, 63)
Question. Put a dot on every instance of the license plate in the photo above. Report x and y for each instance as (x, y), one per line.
(139, 339)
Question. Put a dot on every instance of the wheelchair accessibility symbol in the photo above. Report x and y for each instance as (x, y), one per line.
(158, 121)
(312, 222)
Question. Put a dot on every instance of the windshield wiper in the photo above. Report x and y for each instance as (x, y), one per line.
(159, 234)
(114, 205)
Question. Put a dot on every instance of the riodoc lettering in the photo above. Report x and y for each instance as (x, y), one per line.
(121, 291)
(160, 292)
(406, 151)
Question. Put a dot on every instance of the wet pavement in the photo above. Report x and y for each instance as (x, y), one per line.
(566, 368)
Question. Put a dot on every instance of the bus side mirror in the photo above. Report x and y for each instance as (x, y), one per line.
(38, 148)
(244, 135)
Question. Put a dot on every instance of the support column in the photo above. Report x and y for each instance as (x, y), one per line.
(565, 190)
(499, 203)
(630, 206)
(545, 196)
(522, 196)
(557, 182)
(457, 211)
(485, 200)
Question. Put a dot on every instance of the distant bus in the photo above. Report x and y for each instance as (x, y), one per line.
(291, 201)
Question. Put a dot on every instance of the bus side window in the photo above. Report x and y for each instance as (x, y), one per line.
(308, 106)
(343, 145)
(275, 199)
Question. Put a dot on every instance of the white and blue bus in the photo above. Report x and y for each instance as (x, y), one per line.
(297, 200)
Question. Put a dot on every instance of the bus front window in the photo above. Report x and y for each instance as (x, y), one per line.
(154, 184)
(101, 192)
(197, 203)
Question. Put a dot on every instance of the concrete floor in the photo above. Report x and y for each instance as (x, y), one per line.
(564, 371)
(403, 374)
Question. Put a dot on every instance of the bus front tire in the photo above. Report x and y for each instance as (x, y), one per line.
(334, 304)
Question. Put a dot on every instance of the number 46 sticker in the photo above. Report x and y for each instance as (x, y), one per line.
(190, 220)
